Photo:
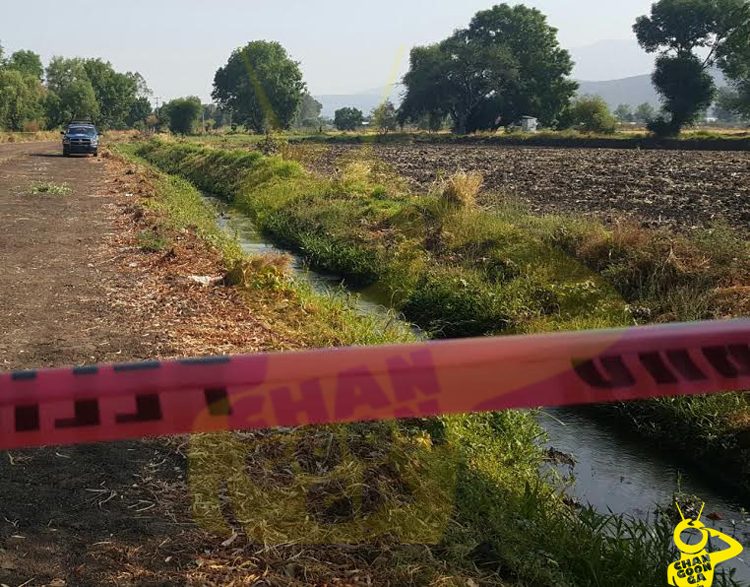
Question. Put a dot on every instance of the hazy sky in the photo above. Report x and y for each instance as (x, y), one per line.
(345, 46)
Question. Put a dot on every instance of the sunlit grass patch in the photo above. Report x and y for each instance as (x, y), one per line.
(51, 188)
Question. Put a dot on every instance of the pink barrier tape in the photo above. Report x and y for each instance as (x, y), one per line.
(117, 402)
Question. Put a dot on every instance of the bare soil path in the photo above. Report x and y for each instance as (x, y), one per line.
(73, 290)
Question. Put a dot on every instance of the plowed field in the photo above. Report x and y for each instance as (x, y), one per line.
(676, 188)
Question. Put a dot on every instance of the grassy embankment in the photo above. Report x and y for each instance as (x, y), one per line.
(491, 509)
(458, 271)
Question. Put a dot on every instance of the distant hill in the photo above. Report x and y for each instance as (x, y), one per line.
(630, 90)
(611, 59)
(365, 101)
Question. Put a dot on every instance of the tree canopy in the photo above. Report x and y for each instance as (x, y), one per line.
(34, 97)
(644, 113)
(384, 117)
(734, 60)
(308, 112)
(92, 88)
(182, 114)
(348, 118)
(261, 85)
(589, 114)
(506, 64)
(727, 108)
(28, 63)
(691, 36)
(21, 91)
(623, 113)
(20, 99)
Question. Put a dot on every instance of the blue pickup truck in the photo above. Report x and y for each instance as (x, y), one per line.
(80, 137)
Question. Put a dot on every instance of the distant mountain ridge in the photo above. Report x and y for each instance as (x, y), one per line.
(365, 101)
(629, 90)
(632, 90)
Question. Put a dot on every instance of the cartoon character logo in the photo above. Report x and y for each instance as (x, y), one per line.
(697, 565)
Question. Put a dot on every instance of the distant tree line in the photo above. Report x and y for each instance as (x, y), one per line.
(506, 64)
(33, 97)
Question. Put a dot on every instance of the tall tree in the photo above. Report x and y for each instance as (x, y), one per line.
(544, 88)
(308, 112)
(727, 105)
(183, 114)
(624, 113)
(262, 86)
(682, 31)
(348, 118)
(140, 110)
(644, 113)
(115, 92)
(70, 93)
(28, 63)
(507, 63)
(384, 117)
(61, 72)
(468, 81)
(75, 100)
(20, 99)
(734, 59)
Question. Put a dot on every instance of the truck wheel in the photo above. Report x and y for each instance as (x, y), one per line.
(96, 153)
(66, 153)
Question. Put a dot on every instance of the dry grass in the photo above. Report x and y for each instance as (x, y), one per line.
(462, 188)
(323, 485)
(259, 271)
(308, 155)
(27, 137)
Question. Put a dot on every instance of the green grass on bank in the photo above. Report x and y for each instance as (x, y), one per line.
(504, 526)
(458, 271)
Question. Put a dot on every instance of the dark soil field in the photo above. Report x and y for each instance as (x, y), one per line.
(681, 189)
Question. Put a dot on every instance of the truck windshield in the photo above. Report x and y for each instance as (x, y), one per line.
(81, 130)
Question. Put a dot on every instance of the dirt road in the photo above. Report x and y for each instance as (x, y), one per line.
(56, 288)
(74, 291)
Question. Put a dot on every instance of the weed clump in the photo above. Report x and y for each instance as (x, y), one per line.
(151, 241)
(270, 270)
(50, 188)
(462, 188)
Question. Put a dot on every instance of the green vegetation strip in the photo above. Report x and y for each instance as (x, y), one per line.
(458, 271)
(501, 516)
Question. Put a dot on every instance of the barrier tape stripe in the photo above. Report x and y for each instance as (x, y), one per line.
(135, 400)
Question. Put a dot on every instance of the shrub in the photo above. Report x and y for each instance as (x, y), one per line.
(590, 114)
(462, 188)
